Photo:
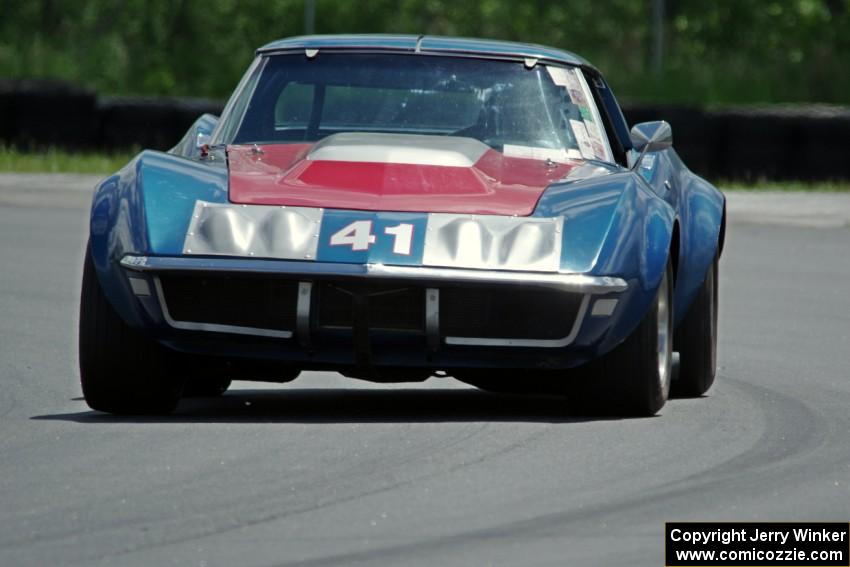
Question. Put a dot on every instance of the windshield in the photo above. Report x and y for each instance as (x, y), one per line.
(545, 112)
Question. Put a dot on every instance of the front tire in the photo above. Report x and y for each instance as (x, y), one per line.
(121, 371)
(634, 378)
(696, 339)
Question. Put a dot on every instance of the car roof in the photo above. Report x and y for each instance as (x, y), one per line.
(427, 44)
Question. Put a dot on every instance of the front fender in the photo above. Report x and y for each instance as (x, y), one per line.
(145, 209)
(615, 225)
(637, 246)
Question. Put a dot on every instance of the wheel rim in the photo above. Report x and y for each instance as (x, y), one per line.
(665, 352)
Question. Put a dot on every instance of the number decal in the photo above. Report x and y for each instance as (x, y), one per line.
(358, 235)
(403, 241)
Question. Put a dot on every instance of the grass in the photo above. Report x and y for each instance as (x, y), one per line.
(60, 161)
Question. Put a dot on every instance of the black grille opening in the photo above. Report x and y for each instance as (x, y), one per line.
(336, 306)
(398, 309)
(391, 307)
(497, 313)
(260, 303)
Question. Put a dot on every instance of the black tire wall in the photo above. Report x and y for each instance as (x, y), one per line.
(790, 142)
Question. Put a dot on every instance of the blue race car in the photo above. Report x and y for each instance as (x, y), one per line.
(400, 207)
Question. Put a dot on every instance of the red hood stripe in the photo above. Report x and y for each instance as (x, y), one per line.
(282, 174)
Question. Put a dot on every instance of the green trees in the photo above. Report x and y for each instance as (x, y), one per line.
(718, 51)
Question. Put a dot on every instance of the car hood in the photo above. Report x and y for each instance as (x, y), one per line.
(396, 172)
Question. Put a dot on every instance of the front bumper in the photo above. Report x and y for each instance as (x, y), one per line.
(374, 314)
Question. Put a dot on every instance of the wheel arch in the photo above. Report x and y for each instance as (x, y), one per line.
(675, 248)
(701, 212)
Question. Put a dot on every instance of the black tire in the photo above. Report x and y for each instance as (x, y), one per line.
(121, 371)
(696, 341)
(206, 387)
(634, 378)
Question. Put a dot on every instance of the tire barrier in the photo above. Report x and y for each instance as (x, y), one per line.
(39, 114)
(47, 113)
(148, 122)
(780, 142)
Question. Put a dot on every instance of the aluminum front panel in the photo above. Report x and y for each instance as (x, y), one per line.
(493, 242)
(480, 242)
(286, 233)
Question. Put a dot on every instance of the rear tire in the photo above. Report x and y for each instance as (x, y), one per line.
(696, 339)
(634, 378)
(121, 371)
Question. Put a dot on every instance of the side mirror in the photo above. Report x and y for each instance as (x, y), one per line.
(197, 137)
(204, 128)
(652, 136)
(202, 139)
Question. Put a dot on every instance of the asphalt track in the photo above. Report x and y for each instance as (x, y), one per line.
(329, 471)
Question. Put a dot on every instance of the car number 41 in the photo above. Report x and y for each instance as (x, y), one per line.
(358, 235)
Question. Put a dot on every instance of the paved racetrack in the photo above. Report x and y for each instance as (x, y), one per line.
(333, 471)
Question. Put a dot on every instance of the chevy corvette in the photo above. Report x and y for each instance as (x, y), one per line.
(400, 207)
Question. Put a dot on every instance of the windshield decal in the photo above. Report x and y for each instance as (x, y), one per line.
(580, 133)
(529, 152)
(583, 121)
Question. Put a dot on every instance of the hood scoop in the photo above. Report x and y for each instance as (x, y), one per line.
(412, 149)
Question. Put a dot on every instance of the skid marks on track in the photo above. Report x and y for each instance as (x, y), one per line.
(793, 435)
